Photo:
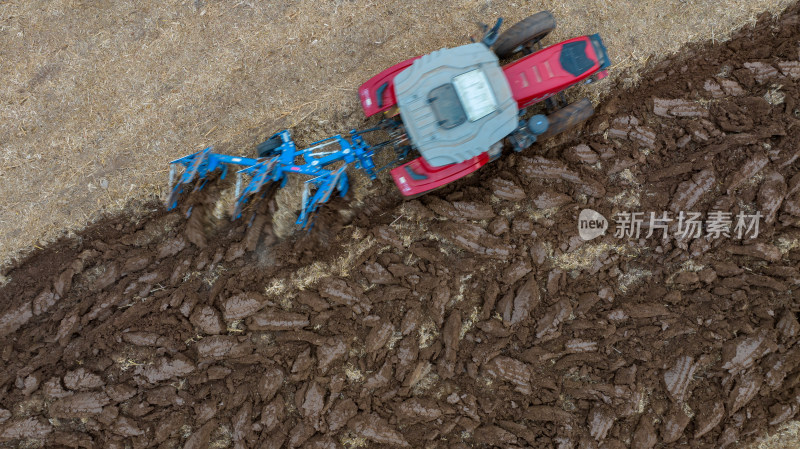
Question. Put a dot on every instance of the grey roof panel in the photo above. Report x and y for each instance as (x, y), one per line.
(443, 146)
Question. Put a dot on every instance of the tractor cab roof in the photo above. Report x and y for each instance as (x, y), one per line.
(455, 103)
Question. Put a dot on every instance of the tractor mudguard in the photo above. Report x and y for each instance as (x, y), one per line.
(418, 177)
(377, 94)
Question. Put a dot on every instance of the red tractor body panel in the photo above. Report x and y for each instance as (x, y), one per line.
(542, 74)
(377, 94)
(417, 177)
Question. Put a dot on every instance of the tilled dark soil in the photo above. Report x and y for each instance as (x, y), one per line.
(471, 317)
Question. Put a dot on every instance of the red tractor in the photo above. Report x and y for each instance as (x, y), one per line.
(457, 105)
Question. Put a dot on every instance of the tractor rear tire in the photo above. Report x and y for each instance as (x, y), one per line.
(268, 147)
(527, 32)
(568, 117)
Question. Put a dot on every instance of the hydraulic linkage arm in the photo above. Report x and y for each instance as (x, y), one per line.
(278, 163)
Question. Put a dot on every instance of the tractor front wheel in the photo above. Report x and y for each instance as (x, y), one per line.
(568, 117)
(524, 34)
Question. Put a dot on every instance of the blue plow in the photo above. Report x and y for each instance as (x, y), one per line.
(278, 160)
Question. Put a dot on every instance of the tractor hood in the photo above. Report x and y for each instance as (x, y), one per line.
(455, 103)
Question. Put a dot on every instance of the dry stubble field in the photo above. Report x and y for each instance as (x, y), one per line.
(97, 96)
